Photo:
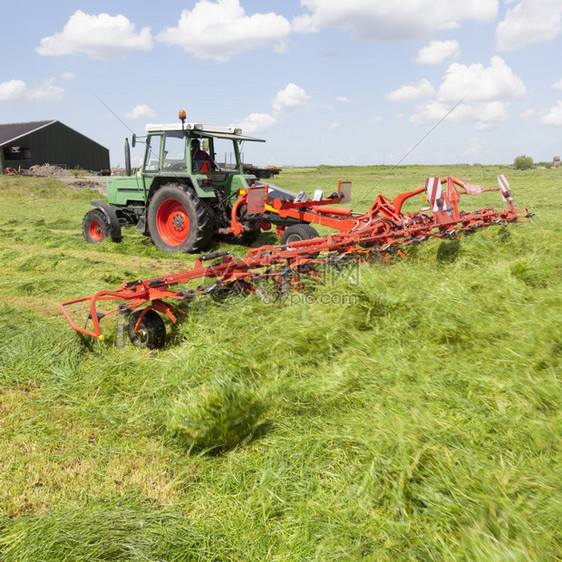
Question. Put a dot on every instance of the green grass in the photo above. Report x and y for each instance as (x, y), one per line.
(401, 412)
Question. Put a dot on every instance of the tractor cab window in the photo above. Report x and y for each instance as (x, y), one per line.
(174, 152)
(202, 155)
(152, 160)
(223, 153)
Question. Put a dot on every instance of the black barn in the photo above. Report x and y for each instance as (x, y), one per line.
(49, 142)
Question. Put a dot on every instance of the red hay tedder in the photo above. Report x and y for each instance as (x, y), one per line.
(372, 235)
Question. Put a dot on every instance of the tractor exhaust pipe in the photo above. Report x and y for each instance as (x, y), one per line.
(127, 157)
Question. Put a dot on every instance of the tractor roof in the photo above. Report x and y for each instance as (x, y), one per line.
(202, 129)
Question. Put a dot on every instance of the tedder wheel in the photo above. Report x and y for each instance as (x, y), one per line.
(179, 221)
(95, 226)
(151, 332)
(298, 232)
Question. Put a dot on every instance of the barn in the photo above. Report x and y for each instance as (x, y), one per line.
(49, 142)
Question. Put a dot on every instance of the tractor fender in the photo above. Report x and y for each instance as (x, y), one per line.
(111, 215)
(160, 181)
(185, 182)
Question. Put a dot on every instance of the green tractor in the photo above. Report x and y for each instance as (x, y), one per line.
(181, 196)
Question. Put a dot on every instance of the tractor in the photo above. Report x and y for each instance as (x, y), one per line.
(183, 198)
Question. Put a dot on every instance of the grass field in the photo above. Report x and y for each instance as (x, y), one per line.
(419, 419)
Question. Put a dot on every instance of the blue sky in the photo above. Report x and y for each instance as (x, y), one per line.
(324, 81)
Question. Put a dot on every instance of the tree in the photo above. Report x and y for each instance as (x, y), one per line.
(522, 162)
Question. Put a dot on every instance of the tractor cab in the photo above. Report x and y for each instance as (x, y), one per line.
(207, 157)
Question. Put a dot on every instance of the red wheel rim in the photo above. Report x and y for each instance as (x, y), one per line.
(95, 230)
(172, 222)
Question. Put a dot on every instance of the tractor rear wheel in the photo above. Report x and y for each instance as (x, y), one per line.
(95, 226)
(179, 221)
(298, 232)
(151, 332)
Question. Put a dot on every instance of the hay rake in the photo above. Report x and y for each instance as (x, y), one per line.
(371, 236)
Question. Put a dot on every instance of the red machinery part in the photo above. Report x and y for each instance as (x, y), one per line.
(377, 233)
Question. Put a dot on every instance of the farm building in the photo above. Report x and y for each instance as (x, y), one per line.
(49, 142)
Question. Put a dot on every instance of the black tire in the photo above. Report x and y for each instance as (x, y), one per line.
(248, 237)
(298, 232)
(178, 221)
(151, 332)
(110, 213)
(95, 226)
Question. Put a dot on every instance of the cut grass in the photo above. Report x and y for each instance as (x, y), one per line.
(218, 417)
(417, 419)
(117, 529)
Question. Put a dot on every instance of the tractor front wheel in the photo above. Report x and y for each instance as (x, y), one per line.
(95, 226)
(151, 332)
(179, 221)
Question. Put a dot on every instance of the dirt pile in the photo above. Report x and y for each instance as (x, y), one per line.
(47, 171)
(86, 182)
(72, 181)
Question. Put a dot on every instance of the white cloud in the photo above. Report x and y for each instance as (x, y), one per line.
(290, 99)
(257, 122)
(333, 126)
(437, 51)
(13, 90)
(554, 115)
(476, 82)
(527, 113)
(68, 75)
(286, 102)
(384, 20)
(343, 99)
(530, 21)
(485, 115)
(100, 36)
(490, 114)
(17, 90)
(473, 93)
(47, 90)
(433, 111)
(304, 24)
(141, 111)
(220, 30)
(410, 92)
(558, 84)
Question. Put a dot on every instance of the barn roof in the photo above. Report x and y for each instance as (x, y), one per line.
(12, 131)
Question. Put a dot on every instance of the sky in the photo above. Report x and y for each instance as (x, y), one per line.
(333, 82)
